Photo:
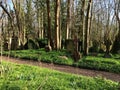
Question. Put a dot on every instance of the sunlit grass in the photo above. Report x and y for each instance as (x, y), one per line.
(89, 62)
(24, 77)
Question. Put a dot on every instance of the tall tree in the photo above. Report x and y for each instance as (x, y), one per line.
(68, 18)
(49, 25)
(20, 18)
(87, 27)
(39, 11)
(83, 22)
(29, 19)
(57, 25)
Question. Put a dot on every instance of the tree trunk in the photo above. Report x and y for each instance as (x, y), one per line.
(49, 22)
(49, 26)
(57, 25)
(87, 28)
(42, 26)
(83, 25)
(72, 20)
(68, 19)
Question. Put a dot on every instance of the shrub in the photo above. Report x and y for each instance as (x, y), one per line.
(42, 42)
(100, 64)
(46, 59)
(95, 47)
(62, 61)
(31, 44)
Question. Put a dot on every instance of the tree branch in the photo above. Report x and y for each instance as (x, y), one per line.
(5, 10)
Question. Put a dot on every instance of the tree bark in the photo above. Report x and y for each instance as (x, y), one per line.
(49, 26)
(87, 28)
(83, 21)
(57, 25)
(68, 19)
(49, 22)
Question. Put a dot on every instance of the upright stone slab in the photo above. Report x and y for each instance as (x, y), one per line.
(70, 45)
(14, 43)
(5, 46)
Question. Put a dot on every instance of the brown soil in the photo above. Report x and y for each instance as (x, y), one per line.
(68, 69)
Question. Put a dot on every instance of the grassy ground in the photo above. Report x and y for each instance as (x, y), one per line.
(24, 77)
(63, 57)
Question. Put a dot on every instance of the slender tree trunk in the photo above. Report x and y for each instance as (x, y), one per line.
(42, 27)
(60, 31)
(87, 28)
(38, 19)
(83, 25)
(68, 19)
(48, 47)
(49, 22)
(57, 25)
(1, 44)
(17, 9)
(72, 20)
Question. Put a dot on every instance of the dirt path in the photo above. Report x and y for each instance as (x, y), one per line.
(68, 69)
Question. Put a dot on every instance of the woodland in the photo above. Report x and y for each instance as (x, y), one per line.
(76, 33)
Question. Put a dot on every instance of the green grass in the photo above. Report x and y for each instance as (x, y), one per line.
(89, 62)
(24, 77)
